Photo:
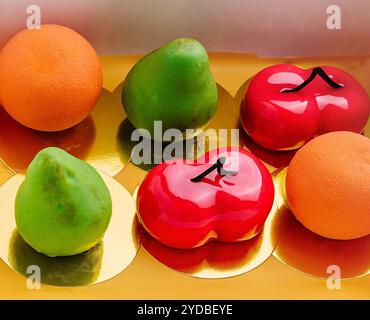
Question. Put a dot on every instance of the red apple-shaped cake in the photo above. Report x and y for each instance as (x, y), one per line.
(285, 106)
(225, 196)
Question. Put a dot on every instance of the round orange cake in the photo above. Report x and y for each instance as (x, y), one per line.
(50, 79)
(328, 185)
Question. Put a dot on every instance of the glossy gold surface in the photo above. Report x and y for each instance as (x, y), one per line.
(310, 253)
(215, 260)
(146, 278)
(93, 140)
(102, 262)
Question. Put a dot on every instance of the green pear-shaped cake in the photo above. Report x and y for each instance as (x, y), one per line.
(173, 84)
(63, 206)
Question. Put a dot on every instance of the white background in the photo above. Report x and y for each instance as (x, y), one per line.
(265, 27)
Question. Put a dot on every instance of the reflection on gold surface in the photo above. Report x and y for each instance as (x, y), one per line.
(367, 129)
(222, 130)
(94, 139)
(77, 141)
(215, 259)
(75, 270)
(227, 115)
(158, 151)
(104, 261)
(107, 115)
(272, 159)
(124, 143)
(193, 146)
(310, 253)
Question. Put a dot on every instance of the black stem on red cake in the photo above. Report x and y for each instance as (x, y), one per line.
(315, 71)
(219, 166)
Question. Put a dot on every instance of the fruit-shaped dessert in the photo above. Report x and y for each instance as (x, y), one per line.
(285, 106)
(224, 196)
(50, 78)
(328, 185)
(173, 84)
(63, 206)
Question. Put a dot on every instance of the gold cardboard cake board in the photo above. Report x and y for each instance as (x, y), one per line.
(215, 260)
(305, 251)
(93, 140)
(270, 280)
(102, 262)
